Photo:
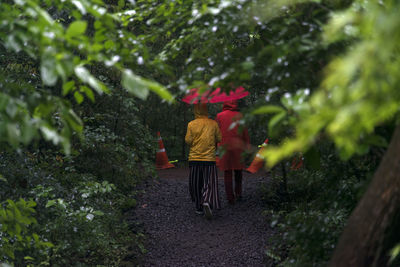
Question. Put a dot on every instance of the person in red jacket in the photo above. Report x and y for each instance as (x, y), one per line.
(234, 142)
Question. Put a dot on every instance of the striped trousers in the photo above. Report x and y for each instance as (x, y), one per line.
(203, 184)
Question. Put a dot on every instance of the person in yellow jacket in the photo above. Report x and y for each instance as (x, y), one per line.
(202, 136)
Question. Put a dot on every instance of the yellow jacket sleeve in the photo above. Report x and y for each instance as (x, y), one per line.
(189, 136)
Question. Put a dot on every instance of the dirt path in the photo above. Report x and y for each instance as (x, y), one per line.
(236, 236)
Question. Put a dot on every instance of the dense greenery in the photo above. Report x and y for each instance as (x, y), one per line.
(311, 217)
(76, 75)
(359, 86)
(74, 201)
(80, 200)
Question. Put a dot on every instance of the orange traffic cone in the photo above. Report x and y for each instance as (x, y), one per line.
(161, 156)
(258, 161)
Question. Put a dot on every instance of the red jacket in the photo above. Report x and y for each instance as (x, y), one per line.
(233, 141)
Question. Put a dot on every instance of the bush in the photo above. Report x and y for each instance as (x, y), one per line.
(319, 203)
(76, 213)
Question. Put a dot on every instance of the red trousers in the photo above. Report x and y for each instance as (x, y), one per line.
(229, 184)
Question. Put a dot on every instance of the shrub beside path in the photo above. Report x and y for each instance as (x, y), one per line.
(236, 236)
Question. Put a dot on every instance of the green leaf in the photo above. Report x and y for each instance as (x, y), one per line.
(121, 3)
(28, 258)
(268, 109)
(85, 76)
(67, 87)
(50, 203)
(160, 90)
(139, 86)
(76, 28)
(11, 42)
(43, 110)
(47, 68)
(31, 203)
(47, 244)
(9, 252)
(73, 120)
(78, 97)
(50, 133)
(13, 134)
(28, 131)
(20, 2)
(275, 121)
(134, 84)
(88, 92)
(97, 24)
(3, 179)
(109, 44)
(18, 229)
(394, 252)
(12, 109)
(80, 7)
(98, 213)
(248, 65)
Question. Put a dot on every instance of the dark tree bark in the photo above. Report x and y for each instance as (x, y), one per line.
(368, 234)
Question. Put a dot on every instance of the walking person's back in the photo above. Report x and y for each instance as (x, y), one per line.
(202, 136)
(234, 143)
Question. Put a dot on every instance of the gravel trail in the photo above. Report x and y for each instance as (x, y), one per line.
(176, 236)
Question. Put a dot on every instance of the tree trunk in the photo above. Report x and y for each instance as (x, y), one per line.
(364, 241)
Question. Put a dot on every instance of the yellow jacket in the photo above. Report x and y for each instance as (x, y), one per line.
(202, 135)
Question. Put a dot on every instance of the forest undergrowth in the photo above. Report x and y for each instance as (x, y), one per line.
(309, 214)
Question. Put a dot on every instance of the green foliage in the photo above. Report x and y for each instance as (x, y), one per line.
(114, 134)
(394, 253)
(284, 118)
(56, 54)
(74, 45)
(27, 113)
(359, 86)
(17, 237)
(84, 224)
(80, 199)
(320, 202)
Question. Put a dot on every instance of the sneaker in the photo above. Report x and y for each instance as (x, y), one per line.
(207, 210)
(199, 212)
